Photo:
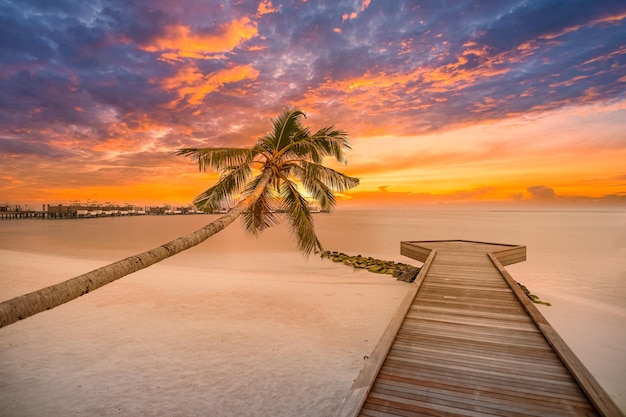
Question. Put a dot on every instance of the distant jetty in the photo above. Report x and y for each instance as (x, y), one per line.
(79, 211)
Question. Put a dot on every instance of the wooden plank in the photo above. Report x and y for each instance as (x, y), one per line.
(470, 362)
(511, 256)
(473, 305)
(414, 251)
(477, 357)
(455, 387)
(496, 404)
(487, 347)
(488, 371)
(471, 343)
(425, 309)
(477, 403)
(490, 322)
(480, 381)
(415, 408)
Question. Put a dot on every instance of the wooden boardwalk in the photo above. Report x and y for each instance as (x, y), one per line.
(466, 341)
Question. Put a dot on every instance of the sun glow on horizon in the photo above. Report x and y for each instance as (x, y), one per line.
(493, 162)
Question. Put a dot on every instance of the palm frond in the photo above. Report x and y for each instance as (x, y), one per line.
(218, 158)
(333, 141)
(335, 180)
(322, 182)
(300, 218)
(319, 191)
(305, 150)
(286, 127)
(261, 215)
(289, 154)
(263, 147)
(232, 181)
(327, 141)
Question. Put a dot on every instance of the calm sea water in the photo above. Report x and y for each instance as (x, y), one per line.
(578, 253)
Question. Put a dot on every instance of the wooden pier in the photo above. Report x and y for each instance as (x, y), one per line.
(467, 341)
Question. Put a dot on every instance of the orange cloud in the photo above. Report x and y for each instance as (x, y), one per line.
(116, 144)
(382, 93)
(453, 75)
(193, 86)
(349, 16)
(372, 89)
(569, 82)
(620, 51)
(266, 7)
(609, 19)
(381, 90)
(180, 42)
(561, 33)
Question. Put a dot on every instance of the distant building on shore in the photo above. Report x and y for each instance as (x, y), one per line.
(82, 211)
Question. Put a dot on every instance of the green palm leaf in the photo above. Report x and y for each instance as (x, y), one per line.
(300, 218)
(262, 214)
(293, 155)
(336, 180)
(218, 158)
(327, 141)
(232, 181)
(286, 127)
(322, 182)
(318, 191)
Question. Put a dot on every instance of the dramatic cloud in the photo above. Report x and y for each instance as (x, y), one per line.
(178, 42)
(541, 192)
(96, 87)
(192, 86)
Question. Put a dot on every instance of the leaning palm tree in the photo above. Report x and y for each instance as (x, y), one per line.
(268, 179)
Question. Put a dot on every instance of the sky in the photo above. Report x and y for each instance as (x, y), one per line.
(485, 102)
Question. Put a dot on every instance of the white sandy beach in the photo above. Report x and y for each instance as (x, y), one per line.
(597, 335)
(186, 341)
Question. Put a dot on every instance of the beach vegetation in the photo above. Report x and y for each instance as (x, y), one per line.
(280, 175)
(534, 298)
(290, 177)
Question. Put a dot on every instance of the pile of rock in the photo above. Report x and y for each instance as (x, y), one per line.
(402, 271)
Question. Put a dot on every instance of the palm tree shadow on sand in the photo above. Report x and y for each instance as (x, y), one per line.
(267, 177)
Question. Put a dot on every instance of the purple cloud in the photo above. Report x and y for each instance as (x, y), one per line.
(541, 192)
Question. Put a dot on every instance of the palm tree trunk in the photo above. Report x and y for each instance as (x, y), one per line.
(47, 298)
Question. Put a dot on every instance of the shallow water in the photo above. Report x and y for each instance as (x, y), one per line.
(574, 253)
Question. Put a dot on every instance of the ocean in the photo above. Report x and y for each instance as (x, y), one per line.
(576, 260)
(575, 253)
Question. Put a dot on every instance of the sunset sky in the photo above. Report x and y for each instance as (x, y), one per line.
(509, 102)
